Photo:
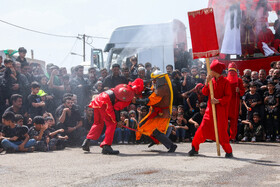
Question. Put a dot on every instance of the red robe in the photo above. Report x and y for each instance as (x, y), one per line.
(266, 37)
(104, 112)
(234, 106)
(222, 92)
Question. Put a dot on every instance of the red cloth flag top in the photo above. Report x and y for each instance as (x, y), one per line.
(203, 33)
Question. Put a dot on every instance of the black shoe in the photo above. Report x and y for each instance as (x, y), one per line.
(107, 150)
(86, 145)
(172, 148)
(192, 152)
(151, 144)
(229, 155)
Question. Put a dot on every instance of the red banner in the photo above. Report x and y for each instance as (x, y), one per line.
(203, 33)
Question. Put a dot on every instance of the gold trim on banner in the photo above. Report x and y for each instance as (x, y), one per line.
(202, 11)
(206, 54)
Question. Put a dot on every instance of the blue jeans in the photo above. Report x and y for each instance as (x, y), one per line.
(9, 144)
(181, 132)
(122, 135)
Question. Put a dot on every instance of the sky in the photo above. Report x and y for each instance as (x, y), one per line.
(73, 17)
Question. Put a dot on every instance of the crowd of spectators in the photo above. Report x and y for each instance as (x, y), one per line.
(46, 108)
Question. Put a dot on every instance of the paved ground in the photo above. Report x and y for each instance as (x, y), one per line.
(255, 164)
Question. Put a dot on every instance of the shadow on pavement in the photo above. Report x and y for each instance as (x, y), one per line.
(252, 161)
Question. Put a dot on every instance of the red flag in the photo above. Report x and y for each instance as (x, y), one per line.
(203, 33)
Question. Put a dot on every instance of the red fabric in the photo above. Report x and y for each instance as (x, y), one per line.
(266, 37)
(137, 86)
(104, 112)
(222, 92)
(275, 4)
(234, 106)
(203, 33)
(100, 116)
(217, 66)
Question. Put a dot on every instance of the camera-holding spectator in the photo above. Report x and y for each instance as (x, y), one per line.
(253, 129)
(14, 137)
(35, 103)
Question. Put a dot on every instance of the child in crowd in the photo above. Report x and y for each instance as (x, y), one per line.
(39, 133)
(35, 103)
(252, 100)
(271, 102)
(121, 133)
(253, 129)
(196, 119)
(13, 136)
(133, 122)
(57, 141)
(19, 119)
(181, 128)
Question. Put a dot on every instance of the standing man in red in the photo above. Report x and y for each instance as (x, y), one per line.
(237, 91)
(104, 106)
(222, 96)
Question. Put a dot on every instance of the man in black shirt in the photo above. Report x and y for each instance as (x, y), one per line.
(17, 108)
(70, 120)
(115, 79)
(196, 119)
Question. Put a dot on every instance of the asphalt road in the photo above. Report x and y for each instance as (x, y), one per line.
(254, 164)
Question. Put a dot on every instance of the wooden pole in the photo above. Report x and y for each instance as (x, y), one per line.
(213, 109)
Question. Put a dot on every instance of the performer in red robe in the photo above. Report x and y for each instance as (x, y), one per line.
(237, 90)
(104, 105)
(222, 96)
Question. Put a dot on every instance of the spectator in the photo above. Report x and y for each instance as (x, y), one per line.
(2, 67)
(56, 140)
(80, 87)
(35, 103)
(126, 74)
(104, 74)
(181, 128)
(39, 133)
(22, 53)
(253, 129)
(88, 118)
(271, 101)
(141, 73)
(14, 137)
(17, 108)
(122, 134)
(195, 99)
(196, 119)
(115, 79)
(70, 120)
(252, 100)
(19, 120)
(133, 68)
(148, 67)
(24, 70)
(169, 69)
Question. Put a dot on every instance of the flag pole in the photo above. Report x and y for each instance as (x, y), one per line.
(213, 109)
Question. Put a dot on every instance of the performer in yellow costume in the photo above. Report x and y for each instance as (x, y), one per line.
(156, 122)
